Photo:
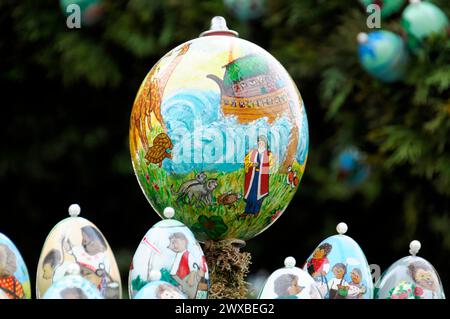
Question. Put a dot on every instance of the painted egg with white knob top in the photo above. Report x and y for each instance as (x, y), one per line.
(411, 277)
(340, 268)
(77, 240)
(290, 282)
(170, 250)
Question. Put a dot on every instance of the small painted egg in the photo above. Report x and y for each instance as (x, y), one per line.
(290, 282)
(77, 240)
(73, 286)
(158, 289)
(170, 249)
(340, 268)
(411, 277)
(14, 278)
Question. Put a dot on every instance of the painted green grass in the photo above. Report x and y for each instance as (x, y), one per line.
(159, 186)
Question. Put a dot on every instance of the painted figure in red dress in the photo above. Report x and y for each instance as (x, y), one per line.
(257, 164)
(9, 284)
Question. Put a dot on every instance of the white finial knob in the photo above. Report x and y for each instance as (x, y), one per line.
(169, 212)
(219, 27)
(362, 38)
(289, 262)
(74, 210)
(155, 275)
(414, 247)
(414, 1)
(73, 269)
(342, 228)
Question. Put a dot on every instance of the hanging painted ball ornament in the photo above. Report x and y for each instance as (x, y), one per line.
(219, 132)
(422, 19)
(383, 54)
(290, 282)
(170, 254)
(75, 240)
(411, 277)
(351, 167)
(387, 7)
(91, 10)
(340, 268)
(246, 10)
(72, 286)
(14, 278)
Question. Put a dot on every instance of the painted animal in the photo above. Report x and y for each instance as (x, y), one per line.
(161, 149)
(200, 178)
(198, 194)
(228, 199)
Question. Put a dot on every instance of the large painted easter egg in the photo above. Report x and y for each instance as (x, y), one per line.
(170, 250)
(219, 132)
(14, 278)
(383, 54)
(340, 268)
(290, 282)
(77, 240)
(411, 277)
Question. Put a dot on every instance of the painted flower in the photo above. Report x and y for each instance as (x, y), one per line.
(418, 291)
(212, 226)
(147, 177)
(276, 215)
(155, 186)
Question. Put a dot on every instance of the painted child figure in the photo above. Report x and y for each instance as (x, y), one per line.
(356, 288)
(425, 280)
(286, 287)
(185, 271)
(9, 284)
(319, 266)
(338, 286)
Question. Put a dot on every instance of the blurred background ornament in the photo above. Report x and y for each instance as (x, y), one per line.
(290, 282)
(72, 286)
(351, 167)
(411, 277)
(91, 10)
(14, 278)
(388, 7)
(76, 240)
(169, 250)
(422, 19)
(340, 268)
(383, 54)
(246, 10)
(216, 128)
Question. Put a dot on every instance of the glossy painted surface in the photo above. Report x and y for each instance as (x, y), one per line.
(170, 249)
(384, 56)
(72, 287)
(290, 283)
(411, 277)
(77, 240)
(340, 269)
(219, 132)
(14, 278)
(160, 290)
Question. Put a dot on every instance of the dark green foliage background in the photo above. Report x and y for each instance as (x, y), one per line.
(66, 98)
